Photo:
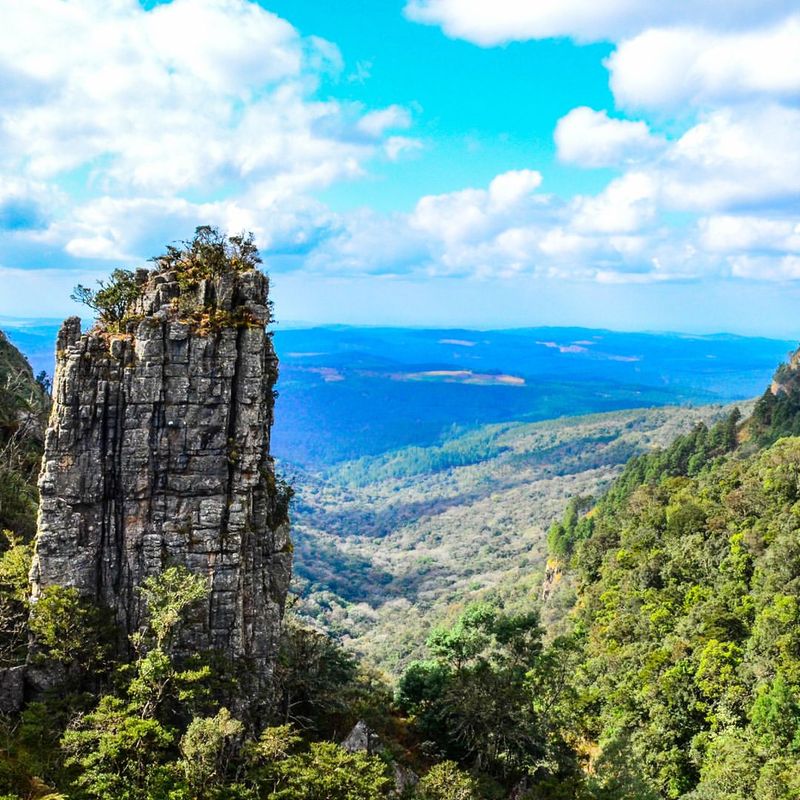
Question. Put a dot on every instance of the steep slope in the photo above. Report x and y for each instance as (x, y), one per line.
(688, 612)
(23, 407)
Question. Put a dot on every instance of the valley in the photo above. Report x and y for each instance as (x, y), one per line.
(428, 464)
(388, 546)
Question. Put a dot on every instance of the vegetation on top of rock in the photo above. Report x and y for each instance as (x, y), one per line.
(113, 300)
(208, 255)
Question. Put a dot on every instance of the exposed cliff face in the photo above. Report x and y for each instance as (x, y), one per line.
(157, 453)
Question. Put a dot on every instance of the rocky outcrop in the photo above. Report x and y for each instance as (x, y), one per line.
(12, 689)
(157, 453)
(362, 739)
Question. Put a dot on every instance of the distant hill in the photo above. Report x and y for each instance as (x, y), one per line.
(349, 392)
(352, 392)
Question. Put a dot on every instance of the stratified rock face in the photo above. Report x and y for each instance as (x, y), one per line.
(157, 453)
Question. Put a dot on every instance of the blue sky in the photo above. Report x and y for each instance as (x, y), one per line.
(428, 162)
(479, 111)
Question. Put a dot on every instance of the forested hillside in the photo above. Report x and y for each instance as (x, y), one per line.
(657, 656)
(23, 407)
(688, 613)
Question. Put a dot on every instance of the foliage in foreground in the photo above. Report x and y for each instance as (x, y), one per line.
(159, 730)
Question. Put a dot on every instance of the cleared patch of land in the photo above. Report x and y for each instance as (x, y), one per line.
(461, 376)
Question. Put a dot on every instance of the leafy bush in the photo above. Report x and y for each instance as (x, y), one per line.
(112, 302)
(209, 254)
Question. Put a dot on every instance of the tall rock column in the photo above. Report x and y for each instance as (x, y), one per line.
(157, 453)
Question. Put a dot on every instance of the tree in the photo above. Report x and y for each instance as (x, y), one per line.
(117, 751)
(113, 300)
(445, 781)
(209, 254)
(120, 748)
(472, 698)
(320, 687)
(159, 683)
(69, 630)
(329, 772)
(775, 717)
(15, 564)
(169, 596)
(209, 753)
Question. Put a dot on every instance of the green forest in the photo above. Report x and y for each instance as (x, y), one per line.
(674, 671)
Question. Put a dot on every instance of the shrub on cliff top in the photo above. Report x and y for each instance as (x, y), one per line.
(209, 254)
(113, 299)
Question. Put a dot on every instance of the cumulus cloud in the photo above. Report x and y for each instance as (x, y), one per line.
(478, 214)
(782, 268)
(667, 68)
(511, 228)
(727, 77)
(626, 205)
(124, 229)
(505, 21)
(193, 93)
(155, 121)
(741, 233)
(209, 111)
(735, 158)
(591, 138)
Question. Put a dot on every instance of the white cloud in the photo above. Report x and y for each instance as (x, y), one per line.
(624, 206)
(724, 75)
(191, 94)
(771, 268)
(591, 138)
(728, 233)
(365, 242)
(398, 146)
(208, 111)
(475, 214)
(128, 230)
(509, 228)
(740, 158)
(667, 68)
(376, 123)
(504, 21)
(513, 187)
